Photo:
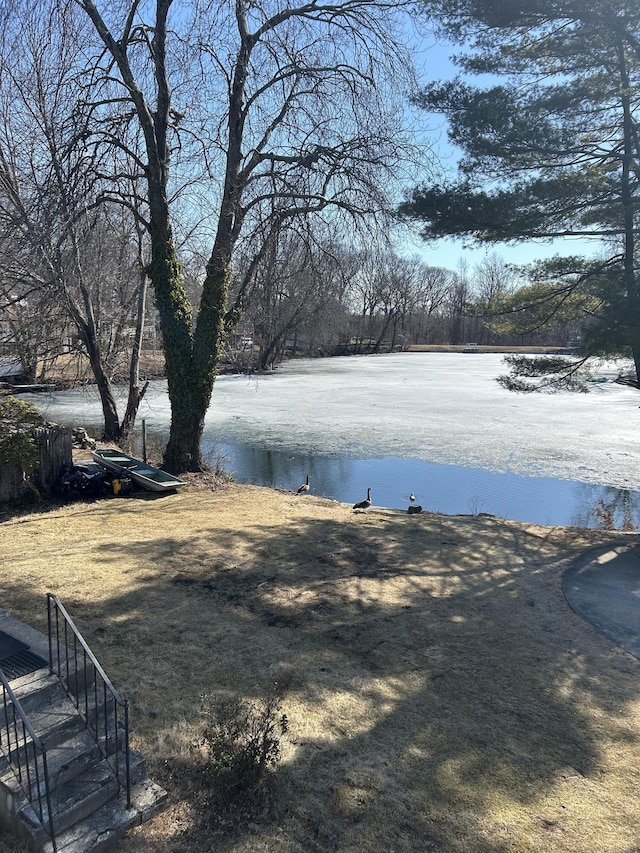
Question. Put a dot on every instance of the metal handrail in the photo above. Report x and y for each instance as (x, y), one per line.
(30, 776)
(97, 704)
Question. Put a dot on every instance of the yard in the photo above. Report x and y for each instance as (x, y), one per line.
(440, 693)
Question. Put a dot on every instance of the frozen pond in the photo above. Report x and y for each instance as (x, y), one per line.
(435, 424)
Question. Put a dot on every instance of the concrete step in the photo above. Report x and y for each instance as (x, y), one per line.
(88, 804)
(71, 758)
(76, 675)
(80, 797)
(54, 723)
(77, 798)
(64, 761)
(76, 751)
(44, 700)
(110, 822)
(34, 690)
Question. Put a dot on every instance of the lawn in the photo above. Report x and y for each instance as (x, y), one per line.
(441, 695)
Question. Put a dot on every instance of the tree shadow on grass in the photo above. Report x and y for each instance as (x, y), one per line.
(441, 686)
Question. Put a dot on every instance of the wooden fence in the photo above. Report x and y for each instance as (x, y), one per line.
(54, 450)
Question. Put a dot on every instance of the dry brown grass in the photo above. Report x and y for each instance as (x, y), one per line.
(488, 348)
(442, 697)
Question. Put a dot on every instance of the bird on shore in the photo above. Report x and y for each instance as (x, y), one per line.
(366, 503)
(304, 487)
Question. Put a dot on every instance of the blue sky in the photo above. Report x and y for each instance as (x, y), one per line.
(449, 253)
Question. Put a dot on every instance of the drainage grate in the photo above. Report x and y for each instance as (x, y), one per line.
(22, 663)
(10, 645)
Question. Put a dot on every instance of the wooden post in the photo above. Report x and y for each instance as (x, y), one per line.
(144, 440)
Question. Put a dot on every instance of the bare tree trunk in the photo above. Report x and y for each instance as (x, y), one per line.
(105, 389)
(136, 393)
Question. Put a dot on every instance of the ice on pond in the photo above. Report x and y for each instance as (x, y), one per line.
(437, 409)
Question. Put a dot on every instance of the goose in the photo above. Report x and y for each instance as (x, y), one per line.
(366, 503)
(304, 487)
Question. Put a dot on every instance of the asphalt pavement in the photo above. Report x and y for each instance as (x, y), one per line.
(603, 586)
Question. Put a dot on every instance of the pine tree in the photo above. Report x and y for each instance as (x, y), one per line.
(552, 149)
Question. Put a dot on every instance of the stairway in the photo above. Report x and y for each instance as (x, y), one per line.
(88, 805)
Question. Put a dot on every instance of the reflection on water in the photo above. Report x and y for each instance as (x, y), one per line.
(448, 489)
(607, 507)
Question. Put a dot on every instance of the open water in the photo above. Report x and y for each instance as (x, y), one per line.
(437, 425)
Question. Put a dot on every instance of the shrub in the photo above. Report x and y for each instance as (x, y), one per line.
(240, 746)
(17, 447)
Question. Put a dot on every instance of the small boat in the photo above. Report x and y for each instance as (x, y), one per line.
(140, 472)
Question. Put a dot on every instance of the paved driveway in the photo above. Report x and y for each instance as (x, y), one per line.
(603, 586)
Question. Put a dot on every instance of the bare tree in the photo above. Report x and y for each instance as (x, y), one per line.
(396, 299)
(493, 277)
(433, 294)
(282, 107)
(295, 305)
(405, 289)
(458, 303)
(68, 264)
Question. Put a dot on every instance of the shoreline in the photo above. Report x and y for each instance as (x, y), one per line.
(153, 365)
